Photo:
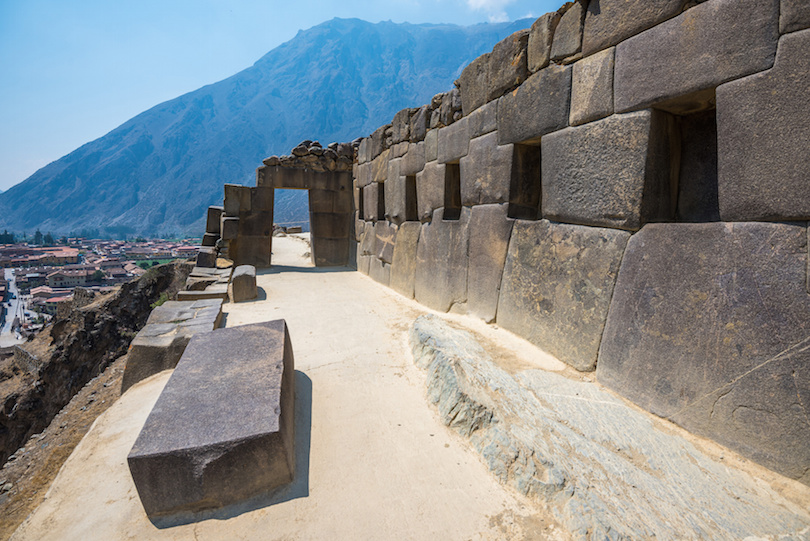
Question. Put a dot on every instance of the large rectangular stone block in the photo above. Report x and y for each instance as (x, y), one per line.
(430, 190)
(262, 198)
(247, 250)
(474, 84)
(763, 129)
(371, 202)
(483, 120)
(214, 441)
(386, 234)
(237, 199)
(321, 201)
(708, 328)
(613, 172)
(557, 285)
(329, 252)
(330, 225)
(607, 22)
(490, 229)
(698, 50)
(379, 167)
(419, 124)
(400, 199)
(592, 88)
(432, 145)
(379, 271)
(541, 35)
(486, 171)
(508, 64)
(212, 218)
(256, 223)
(414, 160)
(441, 262)
(365, 174)
(454, 142)
(403, 264)
(538, 106)
(568, 34)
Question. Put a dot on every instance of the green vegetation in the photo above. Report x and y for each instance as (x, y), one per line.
(163, 298)
(7, 238)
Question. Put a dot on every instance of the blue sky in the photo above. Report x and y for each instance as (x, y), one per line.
(72, 71)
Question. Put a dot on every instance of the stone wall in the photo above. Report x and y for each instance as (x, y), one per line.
(626, 185)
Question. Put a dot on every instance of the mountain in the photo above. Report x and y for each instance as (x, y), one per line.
(157, 172)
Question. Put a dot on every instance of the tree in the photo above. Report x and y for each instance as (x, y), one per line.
(7, 238)
(63, 240)
(97, 276)
(48, 240)
(144, 265)
(38, 238)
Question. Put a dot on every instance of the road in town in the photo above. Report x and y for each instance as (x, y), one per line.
(13, 308)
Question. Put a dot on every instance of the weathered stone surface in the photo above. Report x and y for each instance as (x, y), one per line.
(401, 126)
(372, 202)
(243, 284)
(541, 35)
(230, 227)
(508, 64)
(322, 201)
(483, 120)
(398, 150)
(698, 50)
(366, 249)
(708, 328)
(419, 124)
(763, 129)
(486, 171)
(592, 88)
(607, 22)
(557, 285)
(386, 234)
(364, 174)
(379, 271)
(257, 223)
(490, 229)
(215, 291)
(206, 257)
(251, 251)
(379, 167)
(441, 262)
(378, 140)
(329, 252)
(212, 218)
(262, 198)
(237, 199)
(403, 264)
(568, 34)
(414, 160)
(432, 146)
(604, 469)
(430, 190)
(539, 106)
(474, 84)
(215, 441)
(454, 142)
(400, 199)
(330, 225)
(613, 172)
(160, 343)
(794, 15)
(209, 239)
(364, 151)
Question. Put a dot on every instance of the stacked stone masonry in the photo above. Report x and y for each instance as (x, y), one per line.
(626, 185)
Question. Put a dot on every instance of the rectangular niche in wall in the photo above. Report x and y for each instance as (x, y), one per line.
(697, 176)
(380, 201)
(525, 195)
(361, 205)
(452, 191)
(411, 214)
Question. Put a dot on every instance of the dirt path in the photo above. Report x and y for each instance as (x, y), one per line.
(376, 463)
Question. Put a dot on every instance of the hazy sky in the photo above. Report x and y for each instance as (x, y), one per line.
(71, 71)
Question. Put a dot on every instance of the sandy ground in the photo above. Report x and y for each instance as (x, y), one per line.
(374, 462)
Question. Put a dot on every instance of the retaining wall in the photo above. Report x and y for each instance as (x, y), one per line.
(626, 185)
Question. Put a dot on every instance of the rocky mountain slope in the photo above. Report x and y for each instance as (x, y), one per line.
(157, 172)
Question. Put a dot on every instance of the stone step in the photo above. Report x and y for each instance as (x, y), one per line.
(223, 428)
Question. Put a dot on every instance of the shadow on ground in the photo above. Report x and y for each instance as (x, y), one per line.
(299, 488)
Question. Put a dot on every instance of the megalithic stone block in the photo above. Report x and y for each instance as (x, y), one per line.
(592, 88)
(763, 129)
(557, 285)
(607, 22)
(403, 265)
(696, 51)
(430, 190)
(490, 229)
(537, 107)
(508, 64)
(210, 239)
(483, 120)
(708, 328)
(212, 218)
(794, 15)
(541, 35)
(243, 284)
(237, 199)
(229, 227)
(613, 172)
(568, 34)
(215, 441)
(441, 262)
(206, 257)
(454, 142)
(329, 252)
(486, 171)
(474, 84)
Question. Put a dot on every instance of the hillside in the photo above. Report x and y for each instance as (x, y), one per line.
(157, 172)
